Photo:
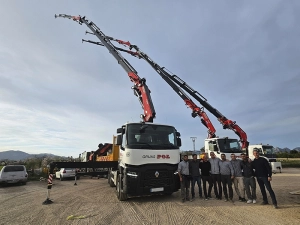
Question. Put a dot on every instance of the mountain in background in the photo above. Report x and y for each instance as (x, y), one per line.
(19, 155)
(277, 149)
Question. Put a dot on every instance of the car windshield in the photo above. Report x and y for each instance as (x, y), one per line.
(13, 168)
(150, 136)
(229, 145)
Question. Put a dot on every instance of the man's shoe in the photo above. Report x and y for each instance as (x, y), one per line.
(188, 199)
(275, 206)
(254, 201)
(192, 199)
(264, 203)
(200, 196)
(244, 200)
(231, 200)
(249, 201)
(206, 199)
(240, 199)
(226, 200)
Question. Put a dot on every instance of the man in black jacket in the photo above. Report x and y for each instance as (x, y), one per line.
(263, 174)
(194, 167)
(205, 172)
(249, 180)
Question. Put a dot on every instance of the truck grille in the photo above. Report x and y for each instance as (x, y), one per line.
(163, 179)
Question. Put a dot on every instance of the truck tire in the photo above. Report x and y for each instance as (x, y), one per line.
(121, 196)
(111, 183)
(60, 178)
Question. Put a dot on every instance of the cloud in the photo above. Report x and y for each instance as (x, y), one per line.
(60, 96)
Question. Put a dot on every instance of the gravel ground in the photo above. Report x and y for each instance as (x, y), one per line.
(94, 199)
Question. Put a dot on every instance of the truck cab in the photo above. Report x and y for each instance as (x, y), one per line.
(148, 159)
(266, 151)
(224, 145)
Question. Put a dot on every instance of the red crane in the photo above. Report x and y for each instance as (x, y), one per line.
(140, 88)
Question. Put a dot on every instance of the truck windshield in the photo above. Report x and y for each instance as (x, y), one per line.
(151, 136)
(269, 151)
(229, 145)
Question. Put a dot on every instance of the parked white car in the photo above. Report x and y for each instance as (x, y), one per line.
(65, 173)
(13, 174)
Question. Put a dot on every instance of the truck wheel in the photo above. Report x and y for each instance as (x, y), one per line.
(111, 183)
(121, 196)
(60, 178)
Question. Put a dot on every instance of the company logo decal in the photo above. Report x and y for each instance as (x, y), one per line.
(156, 174)
(163, 156)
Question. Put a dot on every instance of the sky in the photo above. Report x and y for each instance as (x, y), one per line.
(63, 97)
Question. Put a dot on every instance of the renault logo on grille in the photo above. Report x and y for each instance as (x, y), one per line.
(156, 174)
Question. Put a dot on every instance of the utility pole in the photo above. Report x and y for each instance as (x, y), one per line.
(193, 140)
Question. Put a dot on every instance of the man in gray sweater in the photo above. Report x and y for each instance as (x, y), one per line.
(227, 174)
(238, 180)
(215, 175)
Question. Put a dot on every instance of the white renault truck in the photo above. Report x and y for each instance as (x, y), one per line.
(266, 151)
(148, 158)
(224, 145)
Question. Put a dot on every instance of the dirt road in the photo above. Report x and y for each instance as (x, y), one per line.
(94, 199)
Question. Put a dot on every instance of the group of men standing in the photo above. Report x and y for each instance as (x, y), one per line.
(220, 174)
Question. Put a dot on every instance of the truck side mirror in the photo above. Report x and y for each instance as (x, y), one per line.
(119, 139)
(178, 142)
(120, 130)
(177, 134)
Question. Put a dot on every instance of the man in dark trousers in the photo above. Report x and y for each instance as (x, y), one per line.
(183, 172)
(215, 175)
(249, 180)
(263, 173)
(194, 166)
(206, 178)
(227, 175)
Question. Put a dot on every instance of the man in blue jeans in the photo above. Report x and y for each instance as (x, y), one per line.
(263, 173)
(194, 167)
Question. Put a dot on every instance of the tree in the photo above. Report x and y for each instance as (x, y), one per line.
(293, 152)
(202, 149)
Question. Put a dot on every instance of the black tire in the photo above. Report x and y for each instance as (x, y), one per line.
(60, 178)
(111, 183)
(121, 196)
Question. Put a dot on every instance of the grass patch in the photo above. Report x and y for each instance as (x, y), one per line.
(1, 168)
(289, 163)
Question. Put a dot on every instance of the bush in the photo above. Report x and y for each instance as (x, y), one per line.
(290, 163)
